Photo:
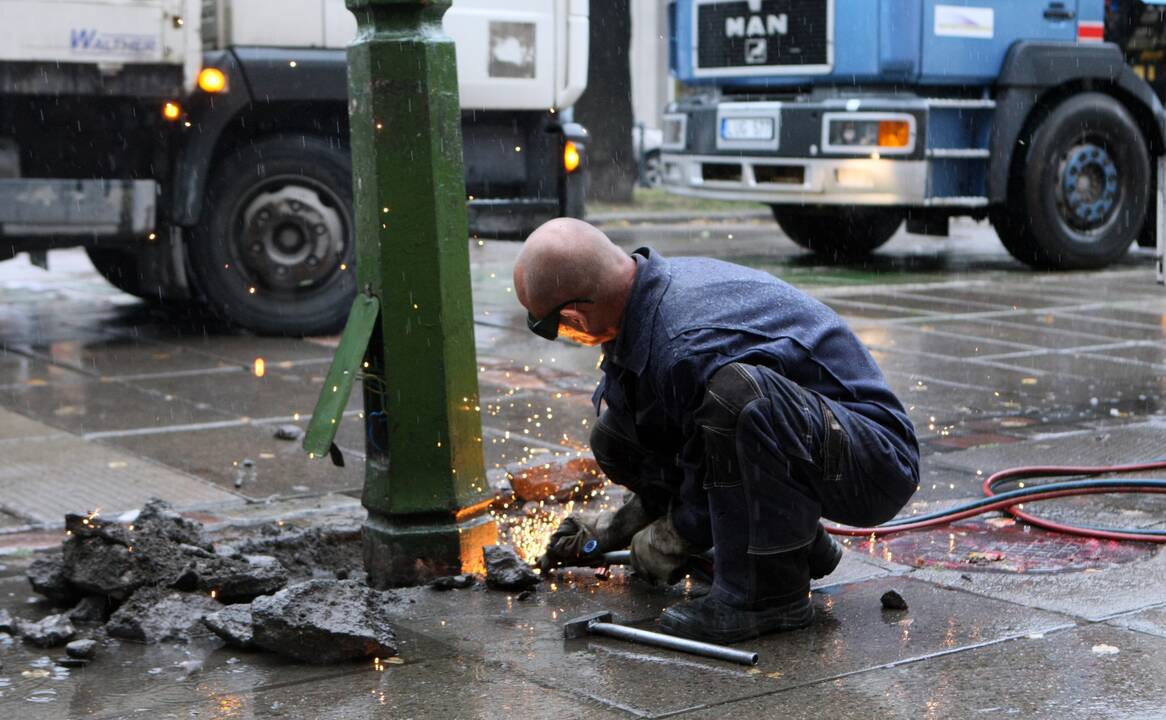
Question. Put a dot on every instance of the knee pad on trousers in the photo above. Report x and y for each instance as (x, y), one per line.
(730, 390)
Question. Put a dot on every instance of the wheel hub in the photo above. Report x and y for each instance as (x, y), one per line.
(1089, 186)
(291, 238)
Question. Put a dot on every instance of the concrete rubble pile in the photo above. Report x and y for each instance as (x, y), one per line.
(156, 576)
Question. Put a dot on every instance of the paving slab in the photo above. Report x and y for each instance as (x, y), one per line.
(852, 311)
(852, 633)
(928, 342)
(1151, 621)
(1005, 329)
(15, 428)
(1060, 676)
(1088, 325)
(116, 356)
(923, 302)
(1093, 594)
(280, 392)
(1153, 353)
(1017, 296)
(41, 479)
(92, 406)
(1097, 371)
(217, 455)
(22, 370)
(232, 347)
(1135, 443)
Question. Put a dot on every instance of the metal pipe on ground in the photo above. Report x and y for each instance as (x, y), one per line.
(600, 623)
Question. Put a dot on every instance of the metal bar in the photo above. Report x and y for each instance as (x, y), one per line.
(341, 375)
(694, 647)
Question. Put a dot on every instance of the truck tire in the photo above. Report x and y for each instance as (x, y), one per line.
(838, 233)
(1084, 188)
(120, 268)
(274, 248)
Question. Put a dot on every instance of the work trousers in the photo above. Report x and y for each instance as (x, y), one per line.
(774, 458)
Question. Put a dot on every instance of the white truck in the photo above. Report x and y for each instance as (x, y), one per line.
(199, 150)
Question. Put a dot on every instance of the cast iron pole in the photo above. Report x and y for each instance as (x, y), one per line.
(425, 483)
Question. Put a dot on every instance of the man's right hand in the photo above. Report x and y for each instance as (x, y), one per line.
(611, 531)
(567, 543)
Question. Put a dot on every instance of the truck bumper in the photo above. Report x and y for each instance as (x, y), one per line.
(814, 155)
(812, 181)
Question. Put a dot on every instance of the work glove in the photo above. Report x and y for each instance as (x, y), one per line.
(611, 531)
(659, 553)
(568, 542)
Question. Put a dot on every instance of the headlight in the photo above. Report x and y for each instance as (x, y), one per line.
(674, 127)
(869, 133)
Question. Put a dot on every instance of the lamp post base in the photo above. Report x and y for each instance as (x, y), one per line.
(400, 552)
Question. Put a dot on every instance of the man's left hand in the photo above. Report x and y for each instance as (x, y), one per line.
(659, 553)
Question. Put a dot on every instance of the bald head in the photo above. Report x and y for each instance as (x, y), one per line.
(567, 259)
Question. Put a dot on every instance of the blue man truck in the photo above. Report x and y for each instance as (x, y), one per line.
(849, 117)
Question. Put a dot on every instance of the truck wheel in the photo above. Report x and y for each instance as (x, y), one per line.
(274, 250)
(838, 234)
(120, 268)
(1086, 182)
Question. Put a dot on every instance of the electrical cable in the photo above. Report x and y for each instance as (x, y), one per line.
(1011, 502)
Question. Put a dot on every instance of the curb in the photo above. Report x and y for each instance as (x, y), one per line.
(669, 216)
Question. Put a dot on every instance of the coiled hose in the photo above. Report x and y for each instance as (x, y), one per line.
(1012, 502)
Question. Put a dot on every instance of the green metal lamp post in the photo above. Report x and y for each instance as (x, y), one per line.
(425, 484)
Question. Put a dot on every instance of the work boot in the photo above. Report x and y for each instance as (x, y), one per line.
(710, 620)
(825, 554)
(777, 592)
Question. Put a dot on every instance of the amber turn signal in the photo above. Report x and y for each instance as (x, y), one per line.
(894, 133)
(171, 110)
(571, 158)
(212, 80)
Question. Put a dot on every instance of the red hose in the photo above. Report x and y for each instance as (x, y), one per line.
(1010, 506)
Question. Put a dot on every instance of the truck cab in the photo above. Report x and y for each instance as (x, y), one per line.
(850, 116)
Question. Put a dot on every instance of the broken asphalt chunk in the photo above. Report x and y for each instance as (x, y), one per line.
(288, 432)
(49, 577)
(454, 582)
(7, 622)
(233, 625)
(232, 580)
(892, 600)
(82, 649)
(52, 631)
(324, 621)
(506, 571)
(91, 609)
(153, 615)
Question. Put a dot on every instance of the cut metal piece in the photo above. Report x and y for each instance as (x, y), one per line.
(341, 376)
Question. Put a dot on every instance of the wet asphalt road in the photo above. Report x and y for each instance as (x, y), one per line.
(105, 400)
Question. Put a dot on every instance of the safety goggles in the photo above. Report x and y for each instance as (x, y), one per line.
(548, 325)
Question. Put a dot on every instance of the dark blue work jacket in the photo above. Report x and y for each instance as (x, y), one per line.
(688, 317)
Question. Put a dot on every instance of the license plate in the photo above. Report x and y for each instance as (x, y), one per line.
(747, 128)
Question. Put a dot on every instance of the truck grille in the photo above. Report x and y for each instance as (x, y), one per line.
(783, 36)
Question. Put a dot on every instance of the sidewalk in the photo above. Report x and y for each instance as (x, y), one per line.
(998, 369)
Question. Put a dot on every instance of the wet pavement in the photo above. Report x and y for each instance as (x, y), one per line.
(106, 401)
